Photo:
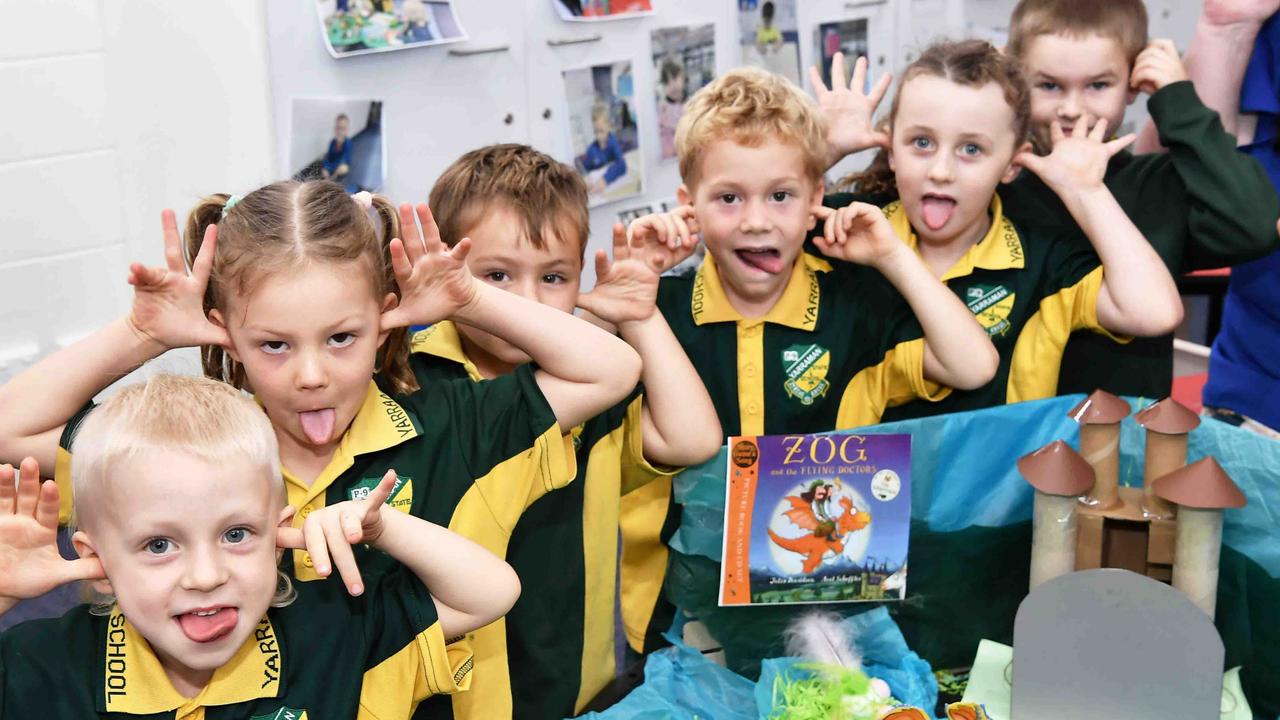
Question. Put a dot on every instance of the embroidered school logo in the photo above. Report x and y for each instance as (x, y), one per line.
(806, 369)
(991, 305)
(401, 497)
(284, 713)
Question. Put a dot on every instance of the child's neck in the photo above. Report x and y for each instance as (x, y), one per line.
(755, 308)
(187, 682)
(305, 462)
(942, 255)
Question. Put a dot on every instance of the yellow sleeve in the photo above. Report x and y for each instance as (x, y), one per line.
(896, 379)
(62, 476)
(1079, 303)
(425, 667)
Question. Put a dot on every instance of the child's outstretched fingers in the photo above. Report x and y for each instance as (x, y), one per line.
(431, 241)
(30, 564)
(409, 225)
(1114, 146)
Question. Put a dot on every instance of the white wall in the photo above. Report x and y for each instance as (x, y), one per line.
(115, 109)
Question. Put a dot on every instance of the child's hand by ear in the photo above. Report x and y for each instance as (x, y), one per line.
(168, 302)
(328, 533)
(1156, 66)
(664, 240)
(848, 110)
(29, 561)
(1078, 161)
(434, 280)
(858, 233)
(626, 289)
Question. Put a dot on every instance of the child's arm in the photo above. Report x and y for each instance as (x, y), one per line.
(471, 587)
(679, 421)
(848, 110)
(30, 565)
(1216, 60)
(167, 312)
(1138, 296)
(582, 370)
(958, 352)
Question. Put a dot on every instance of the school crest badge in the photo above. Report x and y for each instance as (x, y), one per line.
(806, 369)
(284, 713)
(401, 497)
(991, 305)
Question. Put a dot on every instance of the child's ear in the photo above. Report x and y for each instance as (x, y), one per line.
(389, 301)
(1014, 168)
(819, 190)
(889, 155)
(215, 317)
(1130, 96)
(682, 195)
(285, 520)
(84, 548)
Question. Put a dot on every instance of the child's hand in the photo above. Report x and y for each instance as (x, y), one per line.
(1157, 66)
(329, 533)
(434, 280)
(858, 233)
(1078, 161)
(664, 240)
(626, 290)
(168, 303)
(29, 561)
(849, 112)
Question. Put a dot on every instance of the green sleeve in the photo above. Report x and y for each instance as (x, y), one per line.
(1232, 206)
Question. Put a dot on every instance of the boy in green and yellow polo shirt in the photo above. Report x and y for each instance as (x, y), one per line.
(181, 524)
(787, 341)
(526, 217)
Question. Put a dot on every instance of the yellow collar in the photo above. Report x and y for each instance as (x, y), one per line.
(999, 249)
(380, 423)
(443, 341)
(135, 682)
(797, 308)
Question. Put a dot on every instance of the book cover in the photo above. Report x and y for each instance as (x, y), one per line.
(816, 519)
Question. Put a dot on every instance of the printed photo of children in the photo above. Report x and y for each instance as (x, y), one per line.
(593, 10)
(684, 59)
(602, 128)
(770, 36)
(357, 27)
(846, 36)
(339, 140)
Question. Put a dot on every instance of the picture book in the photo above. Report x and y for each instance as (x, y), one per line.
(816, 519)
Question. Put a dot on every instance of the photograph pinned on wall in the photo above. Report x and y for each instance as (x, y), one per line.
(770, 37)
(359, 27)
(844, 36)
(597, 10)
(340, 140)
(684, 60)
(603, 132)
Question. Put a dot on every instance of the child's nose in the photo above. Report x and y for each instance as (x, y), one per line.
(754, 217)
(940, 170)
(311, 371)
(205, 570)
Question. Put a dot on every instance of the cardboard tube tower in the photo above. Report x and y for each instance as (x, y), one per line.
(1099, 416)
(1202, 490)
(1167, 424)
(1059, 475)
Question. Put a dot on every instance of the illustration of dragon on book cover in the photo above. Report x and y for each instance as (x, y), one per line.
(816, 518)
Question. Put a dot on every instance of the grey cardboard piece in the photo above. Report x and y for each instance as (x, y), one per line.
(1114, 644)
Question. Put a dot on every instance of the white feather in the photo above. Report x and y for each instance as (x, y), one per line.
(823, 637)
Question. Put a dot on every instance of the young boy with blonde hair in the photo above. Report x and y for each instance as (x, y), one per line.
(785, 340)
(526, 217)
(1201, 205)
(181, 516)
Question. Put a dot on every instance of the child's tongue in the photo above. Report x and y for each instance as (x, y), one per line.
(318, 424)
(206, 628)
(769, 261)
(937, 211)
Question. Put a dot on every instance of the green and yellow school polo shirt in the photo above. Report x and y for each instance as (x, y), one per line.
(559, 649)
(326, 655)
(835, 351)
(1030, 288)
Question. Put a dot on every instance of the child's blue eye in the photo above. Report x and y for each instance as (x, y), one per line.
(236, 535)
(1099, 85)
(158, 546)
(341, 339)
(921, 143)
(970, 149)
(274, 347)
(1047, 86)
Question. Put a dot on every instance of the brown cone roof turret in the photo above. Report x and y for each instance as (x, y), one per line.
(1168, 417)
(1202, 484)
(1100, 408)
(1056, 469)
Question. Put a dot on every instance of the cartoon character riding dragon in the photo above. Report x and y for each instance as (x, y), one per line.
(811, 510)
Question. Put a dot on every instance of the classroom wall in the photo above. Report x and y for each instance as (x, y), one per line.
(114, 109)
